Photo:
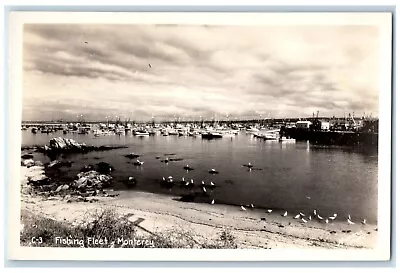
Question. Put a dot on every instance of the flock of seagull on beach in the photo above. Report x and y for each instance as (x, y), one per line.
(301, 216)
(169, 182)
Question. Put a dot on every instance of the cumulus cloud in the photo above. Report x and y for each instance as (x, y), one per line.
(140, 71)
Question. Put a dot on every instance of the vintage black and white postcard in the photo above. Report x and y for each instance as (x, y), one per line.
(199, 136)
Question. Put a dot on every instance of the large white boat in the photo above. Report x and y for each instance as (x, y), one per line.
(141, 133)
(251, 130)
(271, 135)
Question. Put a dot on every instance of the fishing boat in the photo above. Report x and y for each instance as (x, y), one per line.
(211, 135)
(287, 140)
(271, 135)
(141, 133)
(173, 132)
(252, 130)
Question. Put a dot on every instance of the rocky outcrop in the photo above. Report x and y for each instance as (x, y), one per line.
(37, 179)
(61, 145)
(58, 164)
(27, 163)
(92, 180)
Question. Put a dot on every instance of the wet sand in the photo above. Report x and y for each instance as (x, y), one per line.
(253, 228)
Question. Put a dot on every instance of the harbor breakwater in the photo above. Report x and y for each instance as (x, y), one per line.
(345, 138)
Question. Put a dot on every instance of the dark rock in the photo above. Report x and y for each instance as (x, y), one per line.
(87, 168)
(263, 219)
(104, 168)
(188, 197)
(281, 226)
(27, 156)
(132, 155)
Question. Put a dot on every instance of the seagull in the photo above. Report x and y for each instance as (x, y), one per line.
(204, 189)
(138, 162)
(309, 217)
(252, 206)
(304, 221)
(302, 214)
(350, 222)
(308, 197)
(212, 184)
(165, 160)
(212, 202)
(349, 217)
(269, 211)
(315, 212)
(202, 183)
(364, 222)
(213, 171)
(327, 221)
(285, 214)
(243, 208)
(297, 216)
(188, 168)
(333, 217)
(250, 165)
(319, 217)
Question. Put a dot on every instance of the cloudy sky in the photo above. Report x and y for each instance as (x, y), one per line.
(136, 71)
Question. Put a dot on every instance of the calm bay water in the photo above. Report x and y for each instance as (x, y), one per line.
(292, 176)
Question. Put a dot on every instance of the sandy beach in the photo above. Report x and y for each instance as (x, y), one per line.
(252, 228)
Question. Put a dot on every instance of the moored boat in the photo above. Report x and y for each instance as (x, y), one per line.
(211, 135)
(141, 133)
